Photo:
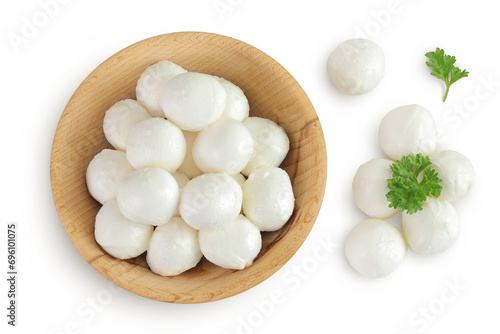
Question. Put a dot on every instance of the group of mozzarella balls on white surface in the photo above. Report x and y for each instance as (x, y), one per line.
(356, 66)
(375, 247)
(191, 174)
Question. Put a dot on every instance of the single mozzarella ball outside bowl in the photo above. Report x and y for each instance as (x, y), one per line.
(225, 146)
(271, 144)
(118, 120)
(156, 142)
(181, 180)
(174, 248)
(188, 166)
(375, 248)
(356, 66)
(210, 200)
(236, 102)
(118, 236)
(233, 246)
(408, 129)
(152, 83)
(369, 188)
(148, 196)
(193, 101)
(432, 230)
(456, 173)
(268, 198)
(104, 173)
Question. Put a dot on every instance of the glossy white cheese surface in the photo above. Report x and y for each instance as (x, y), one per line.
(118, 236)
(233, 246)
(104, 173)
(148, 196)
(408, 129)
(375, 248)
(156, 142)
(268, 199)
(174, 248)
(193, 101)
(369, 188)
(118, 120)
(210, 200)
(356, 66)
(152, 83)
(271, 144)
(432, 230)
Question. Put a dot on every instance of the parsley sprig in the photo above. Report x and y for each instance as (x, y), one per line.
(444, 68)
(406, 192)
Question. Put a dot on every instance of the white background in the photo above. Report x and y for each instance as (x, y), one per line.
(318, 291)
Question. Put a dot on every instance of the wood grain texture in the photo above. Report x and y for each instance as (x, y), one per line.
(272, 93)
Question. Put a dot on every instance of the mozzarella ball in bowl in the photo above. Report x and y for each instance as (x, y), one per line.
(189, 167)
(456, 173)
(118, 236)
(174, 248)
(271, 144)
(193, 100)
(268, 199)
(233, 246)
(408, 129)
(210, 200)
(225, 146)
(356, 66)
(375, 248)
(369, 188)
(236, 102)
(152, 83)
(104, 173)
(432, 230)
(156, 142)
(148, 196)
(118, 120)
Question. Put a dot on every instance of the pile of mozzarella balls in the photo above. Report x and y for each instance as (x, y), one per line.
(191, 174)
(375, 247)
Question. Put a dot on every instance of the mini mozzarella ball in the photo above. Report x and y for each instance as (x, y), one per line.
(118, 120)
(408, 129)
(268, 198)
(271, 144)
(118, 236)
(225, 146)
(104, 173)
(375, 248)
(148, 196)
(356, 66)
(233, 246)
(181, 180)
(456, 173)
(369, 188)
(210, 200)
(193, 101)
(236, 102)
(174, 248)
(152, 83)
(433, 229)
(188, 166)
(156, 142)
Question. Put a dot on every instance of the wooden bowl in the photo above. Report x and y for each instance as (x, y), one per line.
(272, 93)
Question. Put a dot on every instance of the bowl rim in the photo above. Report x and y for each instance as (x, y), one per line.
(320, 187)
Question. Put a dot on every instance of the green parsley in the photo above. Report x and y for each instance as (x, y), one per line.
(406, 192)
(444, 68)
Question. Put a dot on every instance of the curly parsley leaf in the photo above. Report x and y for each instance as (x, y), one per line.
(412, 182)
(444, 68)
